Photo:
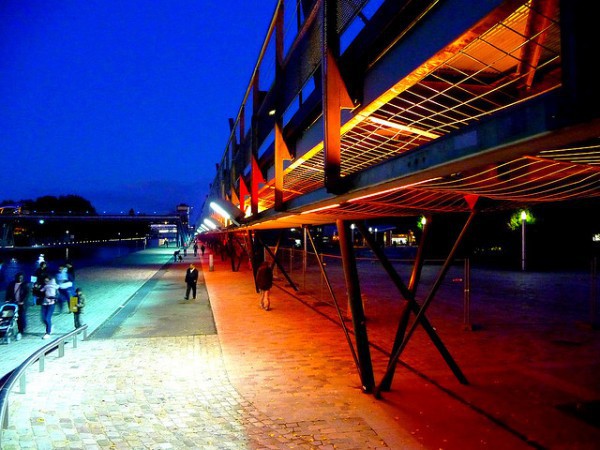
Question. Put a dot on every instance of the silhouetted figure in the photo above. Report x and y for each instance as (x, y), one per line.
(78, 307)
(40, 275)
(191, 279)
(17, 292)
(264, 283)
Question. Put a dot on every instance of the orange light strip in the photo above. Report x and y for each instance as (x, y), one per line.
(386, 191)
(321, 209)
(406, 128)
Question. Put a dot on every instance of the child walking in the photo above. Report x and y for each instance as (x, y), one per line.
(78, 310)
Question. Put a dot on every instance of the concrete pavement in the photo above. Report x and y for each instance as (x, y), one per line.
(220, 372)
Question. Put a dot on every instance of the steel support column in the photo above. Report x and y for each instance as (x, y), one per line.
(335, 97)
(413, 283)
(252, 247)
(337, 306)
(411, 306)
(359, 320)
(231, 252)
(429, 298)
(282, 153)
(257, 177)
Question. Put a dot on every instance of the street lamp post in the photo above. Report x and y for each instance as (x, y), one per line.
(523, 221)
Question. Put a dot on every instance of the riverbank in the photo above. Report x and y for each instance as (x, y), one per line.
(107, 286)
(25, 259)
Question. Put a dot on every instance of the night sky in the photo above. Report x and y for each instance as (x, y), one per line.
(123, 102)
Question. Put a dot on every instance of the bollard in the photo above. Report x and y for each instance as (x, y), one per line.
(211, 263)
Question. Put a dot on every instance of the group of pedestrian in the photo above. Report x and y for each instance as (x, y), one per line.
(202, 249)
(264, 280)
(48, 292)
(177, 256)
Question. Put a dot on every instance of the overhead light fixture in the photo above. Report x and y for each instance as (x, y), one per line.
(405, 128)
(210, 224)
(219, 210)
(223, 212)
(387, 191)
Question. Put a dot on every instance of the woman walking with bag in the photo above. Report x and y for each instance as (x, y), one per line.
(50, 292)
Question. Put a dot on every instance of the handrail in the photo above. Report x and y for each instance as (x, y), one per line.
(8, 381)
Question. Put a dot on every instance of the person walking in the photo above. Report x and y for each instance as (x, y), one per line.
(264, 283)
(202, 249)
(78, 309)
(65, 288)
(40, 275)
(40, 259)
(70, 270)
(17, 292)
(195, 249)
(191, 279)
(50, 291)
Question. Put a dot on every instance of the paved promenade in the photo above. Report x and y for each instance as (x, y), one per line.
(159, 372)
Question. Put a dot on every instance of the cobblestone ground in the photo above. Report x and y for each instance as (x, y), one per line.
(221, 373)
(162, 393)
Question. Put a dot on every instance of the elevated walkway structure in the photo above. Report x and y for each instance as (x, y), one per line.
(375, 109)
(431, 104)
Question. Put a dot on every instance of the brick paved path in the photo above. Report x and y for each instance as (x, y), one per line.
(159, 377)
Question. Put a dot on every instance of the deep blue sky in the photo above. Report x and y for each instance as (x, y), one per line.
(124, 102)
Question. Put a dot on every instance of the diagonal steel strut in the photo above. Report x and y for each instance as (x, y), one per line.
(359, 320)
(412, 306)
(337, 306)
(426, 303)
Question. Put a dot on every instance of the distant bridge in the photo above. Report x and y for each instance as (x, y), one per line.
(170, 218)
(9, 221)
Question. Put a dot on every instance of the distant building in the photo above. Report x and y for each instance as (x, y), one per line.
(183, 211)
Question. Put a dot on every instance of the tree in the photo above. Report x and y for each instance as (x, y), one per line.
(64, 204)
(516, 220)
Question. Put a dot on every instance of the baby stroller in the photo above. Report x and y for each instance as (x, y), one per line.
(8, 322)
